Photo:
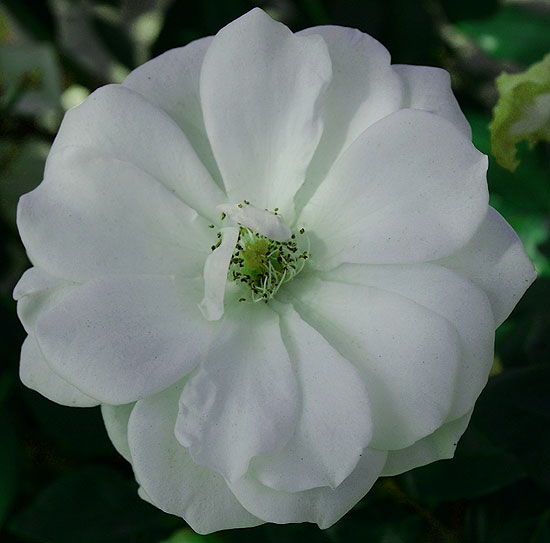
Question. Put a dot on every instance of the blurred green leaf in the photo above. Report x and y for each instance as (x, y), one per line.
(22, 172)
(189, 536)
(8, 463)
(513, 33)
(30, 78)
(91, 505)
(35, 17)
(525, 191)
(116, 39)
(188, 21)
(277, 533)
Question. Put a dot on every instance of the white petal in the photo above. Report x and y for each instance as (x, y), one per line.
(94, 215)
(116, 419)
(429, 89)
(38, 292)
(411, 188)
(495, 260)
(121, 338)
(36, 374)
(261, 93)
(261, 221)
(321, 505)
(216, 268)
(363, 89)
(334, 424)
(243, 400)
(168, 475)
(447, 295)
(437, 446)
(407, 355)
(119, 122)
(171, 82)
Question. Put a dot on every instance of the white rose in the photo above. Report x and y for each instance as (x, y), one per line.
(355, 206)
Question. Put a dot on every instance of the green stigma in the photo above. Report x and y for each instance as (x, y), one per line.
(264, 264)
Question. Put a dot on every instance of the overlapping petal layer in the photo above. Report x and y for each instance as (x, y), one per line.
(437, 446)
(121, 338)
(334, 424)
(170, 477)
(36, 374)
(243, 401)
(262, 96)
(411, 188)
(450, 298)
(171, 82)
(429, 89)
(408, 355)
(363, 90)
(495, 261)
(119, 122)
(323, 506)
(95, 215)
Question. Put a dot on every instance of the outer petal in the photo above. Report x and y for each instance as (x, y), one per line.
(437, 446)
(243, 400)
(94, 215)
(168, 475)
(335, 423)
(116, 419)
(121, 338)
(38, 292)
(321, 505)
(119, 122)
(448, 296)
(429, 89)
(408, 355)
(36, 374)
(495, 260)
(261, 90)
(412, 188)
(171, 82)
(363, 90)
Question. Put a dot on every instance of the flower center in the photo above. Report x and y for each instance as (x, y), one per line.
(258, 254)
(264, 264)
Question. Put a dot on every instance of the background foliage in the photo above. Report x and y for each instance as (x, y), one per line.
(61, 480)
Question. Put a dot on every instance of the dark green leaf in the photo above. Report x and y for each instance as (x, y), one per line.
(23, 172)
(510, 516)
(8, 463)
(478, 468)
(542, 532)
(468, 9)
(527, 341)
(514, 413)
(116, 40)
(77, 431)
(92, 505)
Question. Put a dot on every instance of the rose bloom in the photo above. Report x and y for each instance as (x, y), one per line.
(270, 258)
